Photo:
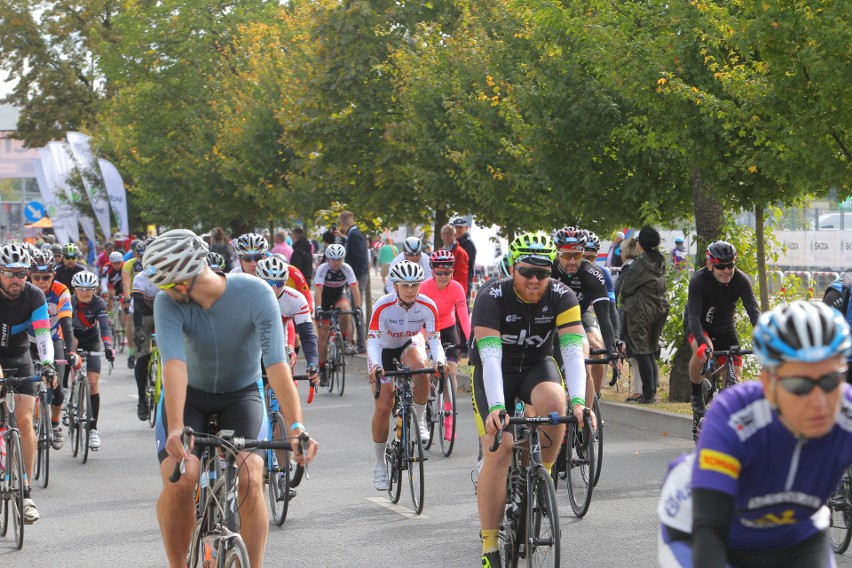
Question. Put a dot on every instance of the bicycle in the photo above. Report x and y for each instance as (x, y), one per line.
(12, 461)
(712, 385)
(530, 526)
(440, 410)
(335, 366)
(840, 505)
(79, 409)
(214, 537)
(44, 432)
(154, 383)
(596, 408)
(405, 450)
(116, 322)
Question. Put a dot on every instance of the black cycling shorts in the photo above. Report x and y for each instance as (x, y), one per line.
(243, 411)
(516, 386)
(390, 356)
(93, 362)
(20, 366)
(450, 335)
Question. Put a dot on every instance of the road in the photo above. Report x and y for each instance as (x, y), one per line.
(102, 513)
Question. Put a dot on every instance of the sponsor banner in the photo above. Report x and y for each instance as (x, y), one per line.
(81, 149)
(43, 166)
(815, 249)
(64, 164)
(117, 194)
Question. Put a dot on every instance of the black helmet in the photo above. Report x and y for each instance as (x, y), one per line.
(721, 251)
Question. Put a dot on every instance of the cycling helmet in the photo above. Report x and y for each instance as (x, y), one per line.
(46, 248)
(412, 245)
(71, 250)
(569, 238)
(42, 262)
(535, 248)
(406, 271)
(175, 256)
(85, 279)
(442, 259)
(274, 268)
(215, 260)
(250, 243)
(138, 247)
(13, 255)
(116, 256)
(56, 249)
(30, 248)
(504, 266)
(335, 252)
(593, 241)
(720, 251)
(678, 240)
(801, 331)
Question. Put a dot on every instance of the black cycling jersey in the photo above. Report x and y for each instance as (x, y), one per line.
(87, 320)
(526, 329)
(65, 274)
(711, 305)
(16, 315)
(113, 277)
(589, 284)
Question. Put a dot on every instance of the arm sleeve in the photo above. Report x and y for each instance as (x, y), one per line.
(615, 319)
(41, 328)
(712, 514)
(103, 321)
(750, 302)
(693, 310)
(571, 349)
(309, 341)
(602, 311)
(138, 300)
(67, 335)
(490, 349)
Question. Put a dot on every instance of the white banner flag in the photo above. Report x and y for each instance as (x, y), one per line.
(117, 195)
(43, 166)
(64, 164)
(81, 149)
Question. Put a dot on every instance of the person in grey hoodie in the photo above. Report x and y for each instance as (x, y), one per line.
(645, 307)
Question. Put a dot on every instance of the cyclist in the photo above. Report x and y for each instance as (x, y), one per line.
(679, 254)
(251, 248)
(209, 372)
(70, 266)
(295, 312)
(450, 298)
(412, 251)
(590, 253)
(395, 334)
(131, 268)
(59, 309)
(56, 253)
(112, 278)
(216, 262)
(143, 295)
(771, 452)
(330, 281)
(23, 305)
(710, 311)
(513, 320)
(91, 327)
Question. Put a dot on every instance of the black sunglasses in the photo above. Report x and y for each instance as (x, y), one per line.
(724, 265)
(802, 386)
(252, 257)
(19, 274)
(529, 272)
(70, 257)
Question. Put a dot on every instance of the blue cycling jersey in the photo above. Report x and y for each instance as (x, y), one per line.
(779, 482)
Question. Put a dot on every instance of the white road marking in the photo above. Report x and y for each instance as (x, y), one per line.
(396, 508)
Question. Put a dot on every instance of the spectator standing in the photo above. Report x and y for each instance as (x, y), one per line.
(387, 253)
(460, 225)
(629, 252)
(358, 257)
(281, 246)
(461, 267)
(220, 245)
(645, 306)
(613, 256)
(303, 256)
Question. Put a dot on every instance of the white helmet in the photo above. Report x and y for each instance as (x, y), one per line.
(116, 256)
(412, 244)
(175, 256)
(251, 243)
(13, 255)
(85, 279)
(335, 252)
(406, 271)
(273, 268)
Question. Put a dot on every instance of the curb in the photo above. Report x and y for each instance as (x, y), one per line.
(666, 423)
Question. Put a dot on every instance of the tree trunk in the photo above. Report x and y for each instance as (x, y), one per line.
(761, 258)
(707, 208)
(440, 220)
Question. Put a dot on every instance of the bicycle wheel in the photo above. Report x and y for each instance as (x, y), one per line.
(44, 434)
(580, 464)
(278, 475)
(340, 365)
(73, 418)
(84, 419)
(840, 506)
(598, 439)
(447, 418)
(415, 459)
(510, 534)
(543, 535)
(432, 413)
(14, 506)
(236, 555)
(119, 332)
(393, 455)
(150, 391)
(331, 363)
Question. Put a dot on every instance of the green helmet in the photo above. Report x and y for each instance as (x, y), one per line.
(71, 250)
(536, 248)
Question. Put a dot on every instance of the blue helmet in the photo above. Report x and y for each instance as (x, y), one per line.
(801, 331)
(678, 240)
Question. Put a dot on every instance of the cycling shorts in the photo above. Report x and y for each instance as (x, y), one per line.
(723, 342)
(450, 335)
(148, 330)
(340, 302)
(590, 321)
(243, 411)
(93, 362)
(516, 385)
(20, 366)
(392, 355)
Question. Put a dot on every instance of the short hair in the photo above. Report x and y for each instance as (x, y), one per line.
(448, 228)
(280, 236)
(346, 216)
(217, 234)
(298, 231)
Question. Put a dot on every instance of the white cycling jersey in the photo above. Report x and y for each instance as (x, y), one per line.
(293, 306)
(392, 326)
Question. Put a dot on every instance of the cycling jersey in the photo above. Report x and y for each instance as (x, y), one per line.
(588, 283)
(132, 266)
(90, 321)
(295, 280)
(711, 305)
(450, 301)
(64, 275)
(186, 332)
(111, 279)
(333, 282)
(779, 482)
(58, 306)
(295, 310)
(679, 258)
(16, 316)
(392, 326)
(143, 286)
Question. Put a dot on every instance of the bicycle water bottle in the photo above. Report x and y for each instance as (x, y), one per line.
(210, 551)
(398, 427)
(2, 449)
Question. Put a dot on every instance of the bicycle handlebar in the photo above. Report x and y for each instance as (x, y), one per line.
(311, 388)
(400, 373)
(729, 352)
(536, 421)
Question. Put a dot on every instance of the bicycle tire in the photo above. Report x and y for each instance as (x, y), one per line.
(73, 425)
(392, 461)
(151, 391)
(15, 486)
(278, 477)
(330, 364)
(84, 413)
(340, 366)
(414, 456)
(236, 554)
(44, 439)
(599, 440)
(510, 533)
(840, 527)
(431, 414)
(542, 542)
(580, 465)
(448, 395)
(198, 534)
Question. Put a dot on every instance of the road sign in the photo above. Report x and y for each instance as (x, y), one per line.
(33, 211)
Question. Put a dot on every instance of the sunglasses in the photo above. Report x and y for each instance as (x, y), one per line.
(10, 274)
(167, 286)
(442, 272)
(80, 289)
(724, 265)
(71, 257)
(276, 283)
(802, 386)
(41, 277)
(252, 257)
(529, 271)
(567, 255)
(409, 285)
(412, 254)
